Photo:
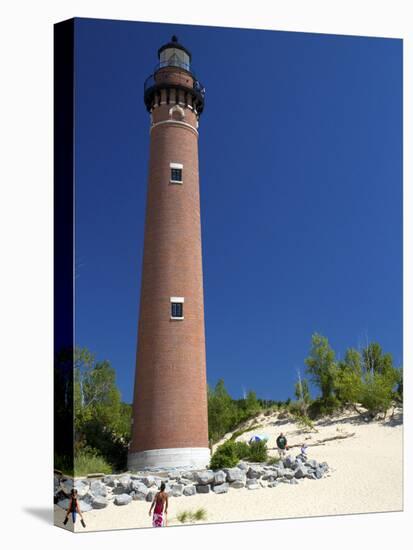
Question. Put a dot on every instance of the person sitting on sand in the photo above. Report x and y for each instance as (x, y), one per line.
(282, 445)
(160, 500)
(73, 507)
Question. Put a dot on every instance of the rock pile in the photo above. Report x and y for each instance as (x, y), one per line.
(121, 490)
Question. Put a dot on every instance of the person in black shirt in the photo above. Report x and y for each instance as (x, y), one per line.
(282, 445)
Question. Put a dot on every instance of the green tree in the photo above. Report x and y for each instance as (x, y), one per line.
(222, 412)
(321, 365)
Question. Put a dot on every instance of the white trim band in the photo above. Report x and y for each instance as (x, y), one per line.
(176, 165)
(177, 300)
(195, 457)
(175, 123)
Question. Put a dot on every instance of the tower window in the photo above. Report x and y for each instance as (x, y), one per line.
(176, 172)
(177, 308)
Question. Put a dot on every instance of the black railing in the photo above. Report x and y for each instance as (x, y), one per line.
(151, 86)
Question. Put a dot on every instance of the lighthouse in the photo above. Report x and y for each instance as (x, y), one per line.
(170, 416)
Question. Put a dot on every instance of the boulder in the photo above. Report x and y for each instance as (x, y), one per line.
(98, 489)
(176, 489)
(99, 502)
(288, 462)
(324, 466)
(253, 486)
(124, 482)
(221, 488)
(251, 482)
(311, 463)
(109, 481)
(85, 506)
(301, 472)
(66, 485)
(318, 473)
(189, 475)
(272, 484)
(189, 490)
(149, 481)
(242, 466)
(254, 472)
(293, 481)
(263, 484)
(122, 500)
(238, 484)
(235, 474)
(64, 503)
(219, 477)
(203, 488)
(205, 477)
(138, 486)
(288, 474)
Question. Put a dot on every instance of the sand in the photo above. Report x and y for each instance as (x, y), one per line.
(366, 475)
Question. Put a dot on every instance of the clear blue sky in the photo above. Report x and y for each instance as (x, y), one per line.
(301, 195)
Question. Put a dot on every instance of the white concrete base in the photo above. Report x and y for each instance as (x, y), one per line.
(195, 457)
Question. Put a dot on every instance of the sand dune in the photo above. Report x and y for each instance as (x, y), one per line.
(366, 475)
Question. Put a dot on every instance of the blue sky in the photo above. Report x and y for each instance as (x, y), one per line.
(301, 195)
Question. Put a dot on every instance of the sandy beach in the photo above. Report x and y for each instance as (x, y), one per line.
(366, 475)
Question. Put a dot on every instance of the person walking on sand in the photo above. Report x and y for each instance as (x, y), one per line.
(74, 508)
(160, 501)
(282, 445)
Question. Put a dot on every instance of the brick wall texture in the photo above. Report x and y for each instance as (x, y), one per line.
(170, 400)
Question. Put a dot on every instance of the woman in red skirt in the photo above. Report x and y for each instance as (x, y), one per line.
(160, 501)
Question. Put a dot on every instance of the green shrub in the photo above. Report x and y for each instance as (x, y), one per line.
(258, 451)
(225, 456)
(323, 407)
(242, 449)
(187, 515)
(88, 461)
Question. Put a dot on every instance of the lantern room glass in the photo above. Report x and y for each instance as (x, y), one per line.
(174, 57)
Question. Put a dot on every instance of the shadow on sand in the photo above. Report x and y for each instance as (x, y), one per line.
(44, 514)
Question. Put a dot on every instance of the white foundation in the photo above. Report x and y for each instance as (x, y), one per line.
(195, 457)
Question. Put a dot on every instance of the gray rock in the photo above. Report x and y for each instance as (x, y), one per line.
(221, 488)
(293, 481)
(138, 486)
(124, 482)
(288, 462)
(98, 489)
(85, 506)
(219, 477)
(150, 495)
(289, 474)
(189, 490)
(318, 473)
(253, 486)
(269, 478)
(235, 474)
(189, 475)
(242, 466)
(254, 472)
(311, 463)
(203, 488)
(324, 466)
(122, 500)
(250, 482)
(149, 481)
(64, 503)
(263, 484)
(272, 484)
(205, 477)
(176, 489)
(301, 472)
(99, 502)
(109, 481)
(237, 484)
(66, 486)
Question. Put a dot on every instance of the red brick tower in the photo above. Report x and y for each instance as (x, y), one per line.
(170, 419)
